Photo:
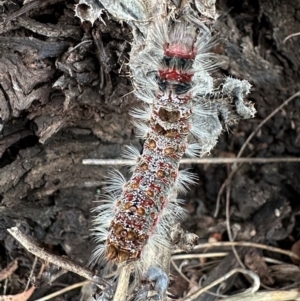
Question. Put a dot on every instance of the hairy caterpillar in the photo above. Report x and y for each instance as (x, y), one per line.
(183, 115)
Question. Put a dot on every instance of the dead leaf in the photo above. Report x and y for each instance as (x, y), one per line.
(296, 249)
(9, 270)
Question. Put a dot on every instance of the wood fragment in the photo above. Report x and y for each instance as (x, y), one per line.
(56, 260)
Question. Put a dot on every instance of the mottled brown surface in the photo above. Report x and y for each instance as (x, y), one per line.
(60, 103)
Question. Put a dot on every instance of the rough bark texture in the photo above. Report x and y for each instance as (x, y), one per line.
(65, 94)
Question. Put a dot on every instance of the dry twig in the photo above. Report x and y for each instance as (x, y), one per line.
(31, 273)
(123, 281)
(115, 162)
(56, 260)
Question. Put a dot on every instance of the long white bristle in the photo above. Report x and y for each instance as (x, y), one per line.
(184, 180)
(143, 114)
(115, 181)
(141, 129)
(130, 152)
(193, 150)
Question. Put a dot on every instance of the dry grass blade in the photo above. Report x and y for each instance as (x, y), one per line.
(291, 295)
(192, 256)
(250, 274)
(64, 290)
(229, 229)
(245, 244)
(290, 36)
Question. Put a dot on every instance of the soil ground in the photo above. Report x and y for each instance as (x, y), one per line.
(60, 104)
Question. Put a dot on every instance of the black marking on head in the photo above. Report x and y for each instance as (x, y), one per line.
(178, 88)
(182, 88)
(177, 62)
(162, 84)
(166, 60)
(184, 64)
